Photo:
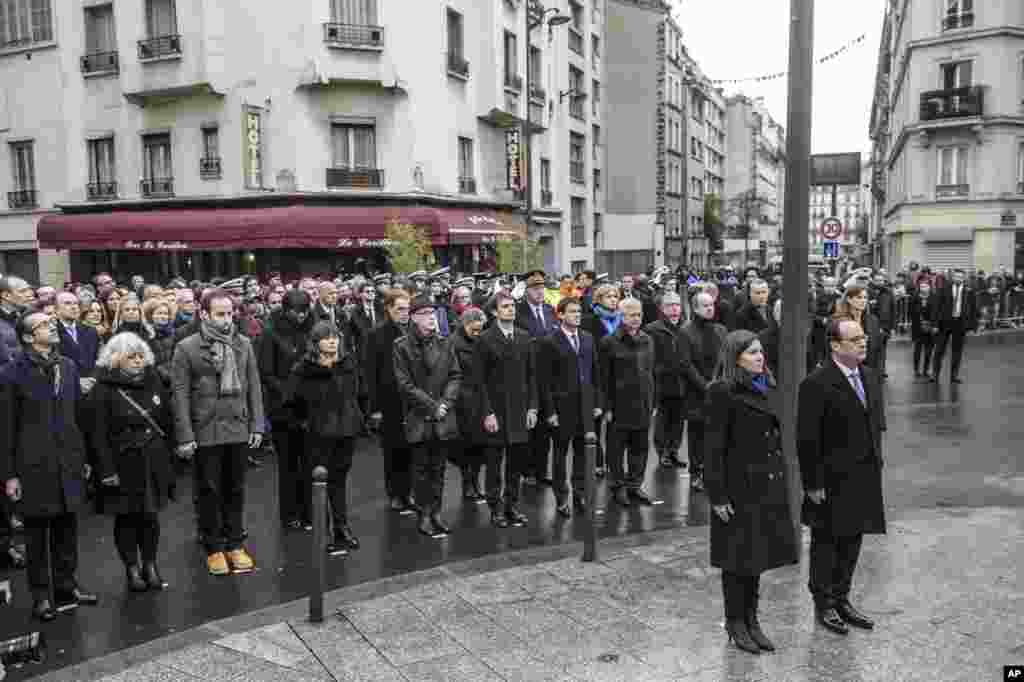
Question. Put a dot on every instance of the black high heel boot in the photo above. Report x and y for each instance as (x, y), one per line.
(753, 625)
(740, 636)
(134, 576)
(151, 575)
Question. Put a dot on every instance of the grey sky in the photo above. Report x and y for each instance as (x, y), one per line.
(741, 38)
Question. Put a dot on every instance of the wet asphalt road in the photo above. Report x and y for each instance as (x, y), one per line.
(947, 445)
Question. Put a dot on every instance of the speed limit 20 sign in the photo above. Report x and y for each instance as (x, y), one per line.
(831, 228)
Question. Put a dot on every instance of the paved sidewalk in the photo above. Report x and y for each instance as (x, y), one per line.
(944, 587)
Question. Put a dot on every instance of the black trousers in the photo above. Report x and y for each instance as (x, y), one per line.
(293, 472)
(883, 341)
(668, 426)
(136, 535)
(695, 445)
(832, 562)
(398, 470)
(923, 347)
(561, 466)
(506, 465)
(539, 462)
(470, 455)
(335, 455)
(222, 470)
(51, 548)
(740, 594)
(429, 462)
(630, 445)
(957, 332)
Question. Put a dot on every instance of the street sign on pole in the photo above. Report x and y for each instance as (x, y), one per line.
(831, 228)
(831, 249)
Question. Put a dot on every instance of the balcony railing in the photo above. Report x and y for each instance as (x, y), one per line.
(538, 93)
(22, 198)
(944, 191)
(160, 46)
(101, 190)
(576, 106)
(209, 167)
(578, 236)
(575, 41)
(576, 172)
(353, 35)
(953, 103)
(467, 185)
(355, 178)
(156, 187)
(960, 20)
(100, 62)
(546, 197)
(458, 65)
(514, 82)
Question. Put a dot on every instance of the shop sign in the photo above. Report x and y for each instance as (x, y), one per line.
(350, 243)
(252, 144)
(513, 164)
(156, 246)
(483, 220)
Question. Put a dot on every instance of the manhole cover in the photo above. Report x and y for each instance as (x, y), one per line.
(608, 658)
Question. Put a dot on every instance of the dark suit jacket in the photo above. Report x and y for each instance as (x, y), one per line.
(839, 444)
(505, 382)
(526, 320)
(359, 325)
(83, 352)
(566, 382)
(750, 318)
(944, 307)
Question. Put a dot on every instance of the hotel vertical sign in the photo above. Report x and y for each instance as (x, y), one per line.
(252, 147)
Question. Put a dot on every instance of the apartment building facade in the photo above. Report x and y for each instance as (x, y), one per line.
(754, 183)
(947, 127)
(196, 137)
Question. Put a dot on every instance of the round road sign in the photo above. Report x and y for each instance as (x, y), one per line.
(831, 228)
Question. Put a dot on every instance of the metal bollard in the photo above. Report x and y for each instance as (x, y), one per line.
(316, 595)
(590, 489)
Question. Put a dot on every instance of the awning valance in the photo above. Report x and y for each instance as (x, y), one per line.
(279, 227)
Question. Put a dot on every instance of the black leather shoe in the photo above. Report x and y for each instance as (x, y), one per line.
(78, 595)
(853, 616)
(677, 463)
(515, 517)
(622, 497)
(347, 538)
(697, 483)
(440, 527)
(933, 379)
(668, 462)
(737, 631)
(831, 620)
(641, 497)
(15, 557)
(498, 519)
(564, 510)
(756, 633)
(133, 575)
(955, 380)
(397, 504)
(425, 527)
(17, 524)
(43, 610)
(410, 504)
(151, 574)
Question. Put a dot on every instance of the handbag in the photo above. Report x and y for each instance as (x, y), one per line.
(143, 413)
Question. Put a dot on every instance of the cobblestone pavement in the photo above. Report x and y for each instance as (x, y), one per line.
(944, 587)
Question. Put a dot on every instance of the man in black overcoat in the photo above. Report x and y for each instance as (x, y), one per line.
(505, 381)
(956, 314)
(537, 319)
(367, 314)
(840, 422)
(671, 358)
(627, 387)
(384, 403)
(753, 315)
(703, 337)
(42, 462)
(567, 374)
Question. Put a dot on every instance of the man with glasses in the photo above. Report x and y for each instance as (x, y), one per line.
(671, 360)
(78, 342)
(42, 462)
(15, 297)
(427, 374)
(956, 314)
(839, 443)
(537, 319)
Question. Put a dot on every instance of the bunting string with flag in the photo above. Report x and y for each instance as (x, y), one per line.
(856, 42)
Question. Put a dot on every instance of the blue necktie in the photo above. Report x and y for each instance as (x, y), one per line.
(858, 387)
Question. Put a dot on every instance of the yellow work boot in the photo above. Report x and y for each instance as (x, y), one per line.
(217, 564)
(240, 561)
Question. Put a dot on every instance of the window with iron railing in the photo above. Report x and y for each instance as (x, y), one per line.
(467, 174)
(578, 236)
(100, 41)
(457, 63)
(23, 167)
(157, 167)
(953, 172)
(354, 157)
(162, 37)
(958, 14)
(355, 24)
(546, 196)
(577, 143)
(102, 169)
(210, 162)
(24, 22)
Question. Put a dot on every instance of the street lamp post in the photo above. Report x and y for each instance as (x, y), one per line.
(534, 17)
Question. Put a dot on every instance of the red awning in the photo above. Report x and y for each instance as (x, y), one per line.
(280, 227)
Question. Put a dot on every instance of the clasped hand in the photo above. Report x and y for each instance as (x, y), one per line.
(724, 511)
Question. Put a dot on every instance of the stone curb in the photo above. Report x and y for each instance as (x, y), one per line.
(112, 664)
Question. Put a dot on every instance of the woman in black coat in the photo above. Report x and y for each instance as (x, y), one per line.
(158, 321)
(703, 338)
(470, 456)
(923, 327)
(853, 305)
(127, 419)
(752, 527)
(323, 395)
(603, 319)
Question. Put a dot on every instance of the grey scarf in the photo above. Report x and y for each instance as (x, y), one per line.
(224, 358)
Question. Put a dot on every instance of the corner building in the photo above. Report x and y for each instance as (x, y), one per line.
(200, 138)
